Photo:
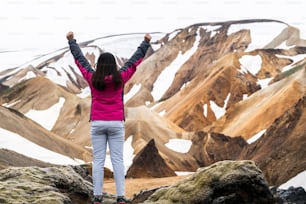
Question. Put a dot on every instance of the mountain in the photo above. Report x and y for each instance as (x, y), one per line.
(16, 122)
(226, 89)
(244, 120)
(281, 146)
(10, 158)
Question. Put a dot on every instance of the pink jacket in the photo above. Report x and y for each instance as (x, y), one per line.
(108, 104)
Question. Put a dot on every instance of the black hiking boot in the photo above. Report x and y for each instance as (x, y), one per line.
(122, 200)
(97, 200)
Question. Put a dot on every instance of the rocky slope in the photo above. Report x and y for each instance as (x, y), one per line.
(259, 111)
(21, 125)
(10, 158)
(281, 146)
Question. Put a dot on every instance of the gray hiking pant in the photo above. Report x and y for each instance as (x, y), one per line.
(111, 133)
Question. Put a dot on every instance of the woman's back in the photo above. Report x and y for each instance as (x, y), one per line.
(107, 104)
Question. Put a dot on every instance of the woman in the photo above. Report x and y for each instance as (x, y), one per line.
(107, 111)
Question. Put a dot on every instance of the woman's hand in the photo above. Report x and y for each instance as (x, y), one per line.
(70, 35)
(147, 37)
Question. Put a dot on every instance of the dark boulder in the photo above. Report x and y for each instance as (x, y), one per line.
(224, 182)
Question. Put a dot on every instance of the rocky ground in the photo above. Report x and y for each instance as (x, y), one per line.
(223, 182)
(134, 186)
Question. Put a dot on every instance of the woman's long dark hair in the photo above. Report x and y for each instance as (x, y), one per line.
(106, 66)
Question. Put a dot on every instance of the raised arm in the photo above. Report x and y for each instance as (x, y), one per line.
(78, 56)
(139, 54)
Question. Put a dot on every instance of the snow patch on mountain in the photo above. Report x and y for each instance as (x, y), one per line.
(250, 64)
(165, 79)
(264, 82)
(132, 92)
(218, 111)
(179, 145)
(261, 33)
(295, 59)
(17, 143)
(297, 181)
(162, 113)
(256, 136)
(212, 29)
(8, 105)
(173, 34)
(47, 118)
(205, 110)
(28, 76)
(84, 92)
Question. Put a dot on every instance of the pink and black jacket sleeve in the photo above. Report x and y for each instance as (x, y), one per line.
(129, 67)
(80, 59)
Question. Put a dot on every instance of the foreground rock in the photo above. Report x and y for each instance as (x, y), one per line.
(223, 182)
(51, 185)
(43, 185)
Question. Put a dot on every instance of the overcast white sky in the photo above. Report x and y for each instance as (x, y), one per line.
(43, 23)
